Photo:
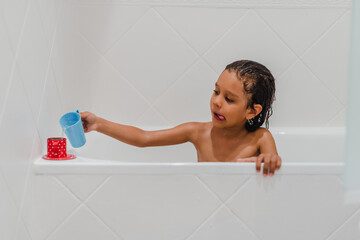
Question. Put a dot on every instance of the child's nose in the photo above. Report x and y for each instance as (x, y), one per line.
(217, 101)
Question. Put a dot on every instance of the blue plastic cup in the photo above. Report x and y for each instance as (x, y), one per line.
(72, 126)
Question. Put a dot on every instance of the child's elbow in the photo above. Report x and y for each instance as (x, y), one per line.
(144, 140)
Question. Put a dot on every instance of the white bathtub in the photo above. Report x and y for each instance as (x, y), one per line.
(294, 145)
(162, 193)
(303, 150)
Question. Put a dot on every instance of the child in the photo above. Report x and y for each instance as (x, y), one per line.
(240, 104)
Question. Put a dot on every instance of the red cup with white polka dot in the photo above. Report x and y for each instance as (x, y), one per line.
(56, 149)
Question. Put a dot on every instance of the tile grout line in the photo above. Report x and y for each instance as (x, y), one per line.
(11, 199)
(176, 32)
(338, 177)
(204, 222)
(72, 213)
(300, 57)
(324, 33)
(61, 100)
(26, 186)
(46, 80)
(191, 66)
(64, 221)
(13, 67)
(116, 42)
(343, 224)
(214, 43)
(217, 209)
(129, 84)
(155, 110)
(287, 69)
(65, 7)
(239, 219)
(103, 58)
(152, 105)
(10, 194)
(224, 204)
(7, 92)
(2, 107)
(21, 75)
(218, 40)
(98, 53)
(332, 119)
(29, 168)
(103, 222)
(196, 61)
(297, 58)
(82, 204)
(107, 179)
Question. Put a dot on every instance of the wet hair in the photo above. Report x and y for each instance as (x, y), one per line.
(259, 84)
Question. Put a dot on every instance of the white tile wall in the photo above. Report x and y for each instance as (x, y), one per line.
(151, 209)
(29, 103)
(9, 212)
(279, 201)
(168, 59)
(154, 63)
(189, 207)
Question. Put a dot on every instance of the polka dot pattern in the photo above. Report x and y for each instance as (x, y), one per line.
(56, 149)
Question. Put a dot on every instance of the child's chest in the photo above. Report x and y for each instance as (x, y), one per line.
(220, 150)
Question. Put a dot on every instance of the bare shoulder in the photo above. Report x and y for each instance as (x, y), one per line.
(263, 134)
(265, 140)
(196, 129)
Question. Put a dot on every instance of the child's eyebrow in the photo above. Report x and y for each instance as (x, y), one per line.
(230, 93)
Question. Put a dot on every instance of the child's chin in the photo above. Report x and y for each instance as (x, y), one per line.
(218, 123)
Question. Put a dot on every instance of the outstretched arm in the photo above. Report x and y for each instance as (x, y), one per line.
(136, 136)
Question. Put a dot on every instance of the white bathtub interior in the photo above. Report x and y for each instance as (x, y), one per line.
(293, 144)
(303, 150)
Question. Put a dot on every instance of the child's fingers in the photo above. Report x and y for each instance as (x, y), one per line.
(259, 160)
(273, 163)
(266, 166)
(84, 115)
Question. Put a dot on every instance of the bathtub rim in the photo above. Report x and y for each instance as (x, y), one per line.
(87, 166)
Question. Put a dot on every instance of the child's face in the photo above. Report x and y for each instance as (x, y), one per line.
(229, 102)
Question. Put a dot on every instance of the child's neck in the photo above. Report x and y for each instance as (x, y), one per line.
(230, 133)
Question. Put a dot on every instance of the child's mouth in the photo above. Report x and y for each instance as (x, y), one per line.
(219, 117)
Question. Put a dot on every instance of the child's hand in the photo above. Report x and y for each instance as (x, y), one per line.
(89, 121)
(271, 161)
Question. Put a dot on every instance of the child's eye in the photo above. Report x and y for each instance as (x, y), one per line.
(229, 100)
(216, 92)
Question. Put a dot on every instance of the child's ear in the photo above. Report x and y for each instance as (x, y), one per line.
(253, 112)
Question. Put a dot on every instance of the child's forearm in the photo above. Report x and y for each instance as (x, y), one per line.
(127, 134)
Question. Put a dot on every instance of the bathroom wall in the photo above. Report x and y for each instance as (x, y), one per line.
(156, 63)
(201, 206)
(30, 104)
(146, 63)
